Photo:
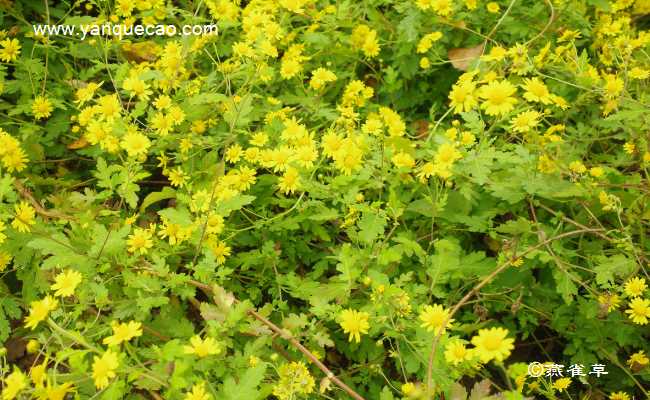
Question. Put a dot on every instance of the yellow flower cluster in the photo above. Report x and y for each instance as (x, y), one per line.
(295, 380)
(12, 156)
(365, 39)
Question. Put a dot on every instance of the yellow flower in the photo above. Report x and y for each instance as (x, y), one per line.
(546, 164)
(596, 172)
(41, 107)
(629, 147)
(365, 39)
(561, 384)
(577, 167)
(33, 346)
(202, 347)
(135, 143)
(348, 159)
(497, 97)
(619, 396)
(66, 282)
(462, 97)
(408, 388)
(104, 368)
(123, 332)
(497, 53)
(525, 121)
(233, 153)
(295, 379)
(136, 87)
(493, 7)
(197, 393)
(37, 374)
(176, 177)
(354, 323)
(427, 41)
(320, 77)
(403, 160)
(635, 287)
(85, 94)
(536, 91)
(290, 181)
(162, 102)
(613, 86)
(13, 384)
(58, 392)
(441, 7)
(611, 301)
(456, 352)
(5, 259)
(39, 310)
(639, 310)
(639, 73)
(638, 360)
(220, 250)
(139, 241)
(10, 50)
(25, 215)
(492, 344)
(435, 318)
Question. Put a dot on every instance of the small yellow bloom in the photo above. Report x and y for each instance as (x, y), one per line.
(202, 347)
(103, 369)
(39, 310)
(66, 282)
(139, 241)
(25, 217)
(198, 392)
(492, 344)
(561, 384)
(435, 318)
(354, 323)
(41, 107)
(123, 332)
(13, 384)
(493, 7)
(639, 310)
(635, 287)
(456, 352)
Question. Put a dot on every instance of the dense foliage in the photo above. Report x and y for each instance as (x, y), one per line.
(376, 199)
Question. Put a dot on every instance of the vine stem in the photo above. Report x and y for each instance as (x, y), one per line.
(295, 343)
(485, 281)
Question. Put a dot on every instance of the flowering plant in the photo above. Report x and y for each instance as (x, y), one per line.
(378, 199)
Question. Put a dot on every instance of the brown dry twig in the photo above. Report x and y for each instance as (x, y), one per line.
(26, 194)
(295, 343)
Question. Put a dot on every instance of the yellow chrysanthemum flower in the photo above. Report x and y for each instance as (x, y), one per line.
(492, 344)
(639, 310)
(498, 97)
(354, 323)
(435, 318)
(41, 107)
(139, 241)
(198, 392)
(66, 282)
(39, 310)
(103, 369)
(202, 347)
(123, 332)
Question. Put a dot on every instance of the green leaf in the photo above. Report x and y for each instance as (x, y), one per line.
(608, 268)
(564, 285)
(371, 226)
(246, 386)
(154, 197)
